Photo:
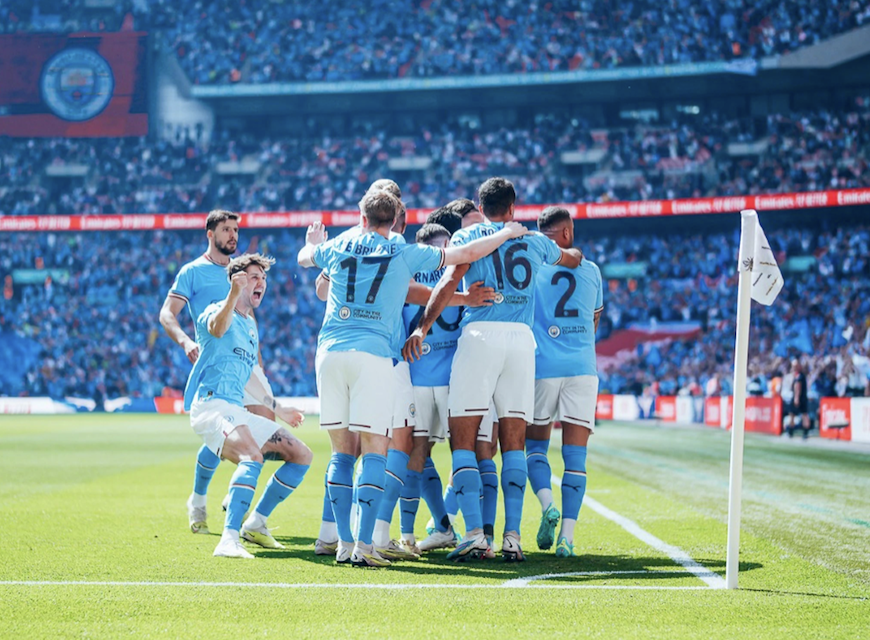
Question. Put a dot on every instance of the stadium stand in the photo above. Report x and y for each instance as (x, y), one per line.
(221, 42)
(556, 158)
(100, 336)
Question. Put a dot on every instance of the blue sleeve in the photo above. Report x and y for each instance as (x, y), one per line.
(322, 253)
(183, 285)
(421, 257)
(550, 251)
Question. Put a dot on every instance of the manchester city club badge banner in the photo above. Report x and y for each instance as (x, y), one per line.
(73, 85)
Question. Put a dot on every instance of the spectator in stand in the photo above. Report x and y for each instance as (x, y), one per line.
(812, 150)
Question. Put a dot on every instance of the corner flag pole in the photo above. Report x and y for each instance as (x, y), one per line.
(748, 226)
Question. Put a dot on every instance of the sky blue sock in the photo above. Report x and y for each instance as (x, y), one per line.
(539, 465)
(327, 515)
(430, 490)
(371, 492)
(339, 476)
(282, 483)
(397, 469)
(513, 483)
(206, 463)
(573, 481)
(489, 482)
(242, 488)
(466, 484)
(450, 502)
(409, 501)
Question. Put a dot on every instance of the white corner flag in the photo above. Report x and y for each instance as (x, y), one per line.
(761, 280)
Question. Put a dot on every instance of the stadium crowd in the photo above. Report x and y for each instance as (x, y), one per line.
(803, 151)
(257, 41)
(100, 335)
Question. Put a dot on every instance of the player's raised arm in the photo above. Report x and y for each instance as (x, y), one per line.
(482, 247)
(441, 295)
(315, 235)
(172, 306)
(221, 321)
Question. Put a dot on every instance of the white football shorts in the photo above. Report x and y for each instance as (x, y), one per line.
(214, 419)
(494, 361)
(356, 391)
(404, 405)
(431, 413)
(567, 399)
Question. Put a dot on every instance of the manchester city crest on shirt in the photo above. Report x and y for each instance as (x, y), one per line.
(344, 313)
(554, 331)
(77, 84)
(499, 297)
(425, 349)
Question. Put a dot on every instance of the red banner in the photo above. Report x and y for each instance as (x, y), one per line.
(666, 408)
(604, 407)
(835, 417)
(286, 219)
(169, 405)
(764, 415)
(73, 85)
(713, 412)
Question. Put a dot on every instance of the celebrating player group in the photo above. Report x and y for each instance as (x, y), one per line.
(481, 333)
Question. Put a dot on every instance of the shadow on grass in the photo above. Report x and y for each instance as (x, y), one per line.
(538, 563)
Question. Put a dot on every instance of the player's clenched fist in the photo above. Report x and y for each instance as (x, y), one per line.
(413, 348)
(316, 233)
(191, 350)
(290, 415)
(239, 281)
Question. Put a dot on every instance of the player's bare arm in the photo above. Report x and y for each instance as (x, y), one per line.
(221, 321)
(445, 288)
(571, 258)
(597, 318)
(482, 247)
(315, 235)
(172, 306)
(477, 295)
(321, 286)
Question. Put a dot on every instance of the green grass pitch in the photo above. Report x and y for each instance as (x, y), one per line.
(94, 543)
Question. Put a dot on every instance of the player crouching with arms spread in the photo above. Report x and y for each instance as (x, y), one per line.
(214, 396)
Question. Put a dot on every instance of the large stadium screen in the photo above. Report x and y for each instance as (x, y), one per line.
(73, 85)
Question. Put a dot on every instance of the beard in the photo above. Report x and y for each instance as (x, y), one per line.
(225, 248)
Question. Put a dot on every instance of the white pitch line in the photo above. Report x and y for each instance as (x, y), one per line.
(327, 585)
(676, 554)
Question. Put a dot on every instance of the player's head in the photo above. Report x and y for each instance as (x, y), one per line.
(379, 209)
(467, 210)
(497, 197)
(450, 220)
(222, 229)
(434, 235)
(385, 184)
(255, 265)
(556, 224)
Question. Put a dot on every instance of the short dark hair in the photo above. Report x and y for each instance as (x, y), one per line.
(216, 216)
(551, 216)
(449, 220)
(496, 196)
(462, 206)
(380, 208)
(430, 232)
(385, 184)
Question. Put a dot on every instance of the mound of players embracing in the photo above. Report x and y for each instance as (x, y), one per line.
(482, 331)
